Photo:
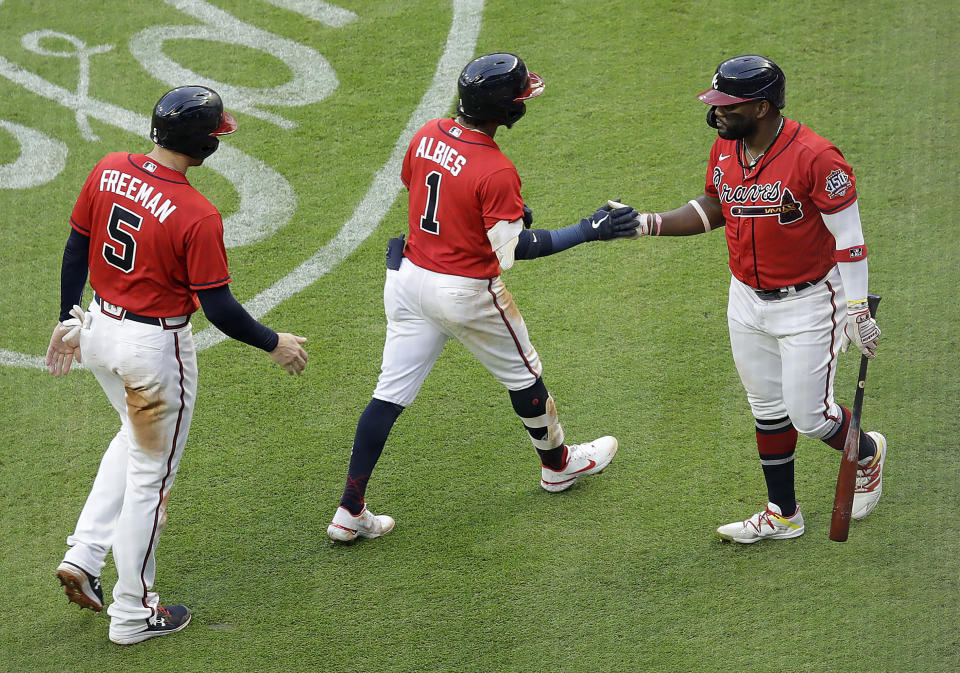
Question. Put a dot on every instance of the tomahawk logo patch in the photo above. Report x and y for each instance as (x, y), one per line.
(786, 211)
(838, 182)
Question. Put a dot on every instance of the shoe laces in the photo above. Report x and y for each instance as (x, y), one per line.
(867, 473)
(766, 517)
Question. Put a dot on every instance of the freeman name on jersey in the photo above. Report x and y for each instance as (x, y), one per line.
(442, 154)
(137, 191)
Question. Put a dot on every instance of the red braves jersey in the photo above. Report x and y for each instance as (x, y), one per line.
(154, 239)
(775, 234)
(460, 185)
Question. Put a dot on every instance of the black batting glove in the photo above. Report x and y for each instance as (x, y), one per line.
(608, 223)
(527, 216)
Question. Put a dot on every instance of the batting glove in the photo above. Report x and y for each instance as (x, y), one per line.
(861, 329)
(80, 320)
(527, 217)
(609, 222)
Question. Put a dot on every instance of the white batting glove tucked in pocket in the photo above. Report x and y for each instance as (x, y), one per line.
(80, 320)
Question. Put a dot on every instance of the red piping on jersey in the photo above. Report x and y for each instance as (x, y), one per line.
(833, 356)
(509, 328)
(173, 451)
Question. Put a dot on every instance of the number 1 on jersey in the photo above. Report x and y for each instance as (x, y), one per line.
(428, 221)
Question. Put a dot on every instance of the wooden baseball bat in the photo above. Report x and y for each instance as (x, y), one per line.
(847, 479)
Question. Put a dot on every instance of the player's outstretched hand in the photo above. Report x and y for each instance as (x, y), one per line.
(60, 354)
(610, 222)
(289, 354)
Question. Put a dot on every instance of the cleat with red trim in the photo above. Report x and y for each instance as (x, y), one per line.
(866, 493)
(346, 527)
(769, 524)
(167, 620)
(581, 460)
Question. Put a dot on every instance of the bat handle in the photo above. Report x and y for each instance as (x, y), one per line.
(873, 302)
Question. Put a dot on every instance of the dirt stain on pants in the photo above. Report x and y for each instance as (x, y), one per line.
(145, 411)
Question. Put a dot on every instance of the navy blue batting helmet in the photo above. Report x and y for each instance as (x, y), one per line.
(188, 120)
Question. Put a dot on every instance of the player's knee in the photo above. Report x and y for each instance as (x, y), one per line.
(816, 428)
(536, 409)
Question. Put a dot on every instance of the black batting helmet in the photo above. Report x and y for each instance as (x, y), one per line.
(188, 120)
(493, 87)
(743, 78)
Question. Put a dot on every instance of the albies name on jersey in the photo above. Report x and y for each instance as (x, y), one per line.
(137, 191)
(442, 154)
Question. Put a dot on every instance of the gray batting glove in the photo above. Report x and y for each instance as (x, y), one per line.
(861, 329)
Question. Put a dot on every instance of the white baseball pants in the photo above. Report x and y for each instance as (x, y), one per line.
(786, 352)
(424, 309)
(149, 374)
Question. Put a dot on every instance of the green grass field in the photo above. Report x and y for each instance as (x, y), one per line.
(486, 572)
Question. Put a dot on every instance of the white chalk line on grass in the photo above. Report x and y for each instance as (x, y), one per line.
(459, 48)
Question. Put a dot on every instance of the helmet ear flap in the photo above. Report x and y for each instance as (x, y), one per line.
(712, 117)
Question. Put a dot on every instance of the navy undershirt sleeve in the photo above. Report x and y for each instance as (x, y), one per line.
(228, 316)
(73, 272)
(535, 243)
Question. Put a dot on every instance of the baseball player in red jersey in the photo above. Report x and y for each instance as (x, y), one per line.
(154, 249)
(798, 292)
(466, 223)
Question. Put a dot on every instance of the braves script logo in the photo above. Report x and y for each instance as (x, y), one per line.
(838, 182)
(759, 200)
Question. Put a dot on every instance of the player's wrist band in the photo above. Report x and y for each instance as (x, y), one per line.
(703, 216)
(653, 223)
(851, 254)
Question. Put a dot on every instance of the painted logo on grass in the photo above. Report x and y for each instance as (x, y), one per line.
(266, 200)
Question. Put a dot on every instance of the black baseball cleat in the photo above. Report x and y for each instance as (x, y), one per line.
(168, 620)
(80, 586)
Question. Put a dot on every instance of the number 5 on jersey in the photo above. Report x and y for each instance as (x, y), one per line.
(122, 251)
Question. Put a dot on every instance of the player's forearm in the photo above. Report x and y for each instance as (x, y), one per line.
(851, 251)
(535, 243)
(697, 216)
(228, 316)
(73, 272)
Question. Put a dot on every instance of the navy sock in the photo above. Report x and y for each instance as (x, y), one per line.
(867, 447)
(374, 426)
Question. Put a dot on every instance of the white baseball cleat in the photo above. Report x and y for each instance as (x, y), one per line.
(866, 493)
(346, 527)
(769, 524)
(581, 460)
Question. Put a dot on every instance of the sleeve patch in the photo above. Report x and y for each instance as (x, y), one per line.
(838, 182)
(853, 254)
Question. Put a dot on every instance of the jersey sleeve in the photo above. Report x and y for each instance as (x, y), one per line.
(406, 169)
(206, 255)
(832, 184)
(80, 217)
(500, 197)
(709, 188)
